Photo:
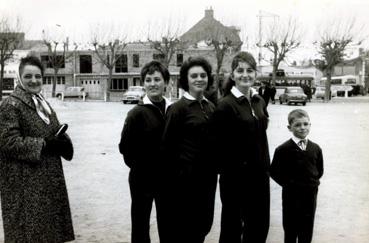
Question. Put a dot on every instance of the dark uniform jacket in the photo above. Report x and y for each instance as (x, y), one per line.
(34, 197)
(241, 136)
(186, 135)
(141, 137)
(292, 166)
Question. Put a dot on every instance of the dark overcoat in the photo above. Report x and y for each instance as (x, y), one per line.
(34, 199)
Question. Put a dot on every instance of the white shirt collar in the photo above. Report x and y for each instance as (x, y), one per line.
(147, 101)
(237, 93)
(296, 139)
(190, 97)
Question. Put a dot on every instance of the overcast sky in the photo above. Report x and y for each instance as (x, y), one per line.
(74, 18)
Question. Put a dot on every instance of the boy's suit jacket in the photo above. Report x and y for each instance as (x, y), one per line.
(292, 166)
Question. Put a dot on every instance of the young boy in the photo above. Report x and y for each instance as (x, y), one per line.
(297, 166)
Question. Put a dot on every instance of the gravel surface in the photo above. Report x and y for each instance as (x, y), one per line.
(98, 187)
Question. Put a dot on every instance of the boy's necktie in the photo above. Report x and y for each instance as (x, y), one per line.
(302, 144)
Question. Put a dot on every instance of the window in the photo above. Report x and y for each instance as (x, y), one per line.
(158, 57)
(119, 84)
(50, 62)
(85, 64)
(179, 59)
(60, 80)
(121, 64)
(137, 82)
(136, 60)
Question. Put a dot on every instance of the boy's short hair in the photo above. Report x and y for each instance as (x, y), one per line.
(30, 60)
(153, 66)
(297, 113)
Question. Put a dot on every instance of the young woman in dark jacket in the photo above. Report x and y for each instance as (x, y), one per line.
(140, 146)
(240, 122)
(186, 143)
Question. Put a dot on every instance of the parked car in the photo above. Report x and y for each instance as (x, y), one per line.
(74, 91)
(293, 95)
(134, 94)
(320, 92)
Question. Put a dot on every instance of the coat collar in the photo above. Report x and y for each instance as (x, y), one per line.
(147, 101)
(20, 94)
(191, 100)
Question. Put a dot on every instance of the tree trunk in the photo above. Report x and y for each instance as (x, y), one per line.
(327, 95)
(54, 83)
(108, 85)
(274, 74)
(1, 81)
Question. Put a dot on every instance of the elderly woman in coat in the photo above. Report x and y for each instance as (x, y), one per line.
(34, 199)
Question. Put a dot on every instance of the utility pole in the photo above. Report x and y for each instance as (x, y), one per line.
(260, 16)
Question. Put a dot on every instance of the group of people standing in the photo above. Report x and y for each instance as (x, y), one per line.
(175, 153)
(188, 144)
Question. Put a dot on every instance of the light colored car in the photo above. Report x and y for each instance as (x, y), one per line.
(134, 94)
(73, 91)
(320, 92)
(293, 95)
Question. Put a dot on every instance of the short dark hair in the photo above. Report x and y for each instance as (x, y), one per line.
(188, 64)
(151, 67)
(242, 56)
(30, 60)
(297, 113)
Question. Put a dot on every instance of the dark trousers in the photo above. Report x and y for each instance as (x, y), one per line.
(193, 204)
(299, 206)
(145, 189)
(245, 207)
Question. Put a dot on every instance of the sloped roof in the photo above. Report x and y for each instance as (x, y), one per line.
(210, 28)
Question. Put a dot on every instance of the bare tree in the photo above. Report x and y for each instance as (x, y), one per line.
(281, 38)
(57, 55)
(108, 47)
(219, 38)
(10, 39)
(334, 39)
(167, 42)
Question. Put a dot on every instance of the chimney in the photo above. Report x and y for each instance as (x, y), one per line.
(209, 13)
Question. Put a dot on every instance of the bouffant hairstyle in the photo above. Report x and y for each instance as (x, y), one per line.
(153, 66)
(188, 64)
(242, 56)
(30, 60)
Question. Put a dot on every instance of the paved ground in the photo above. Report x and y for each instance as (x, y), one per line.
(99, 193)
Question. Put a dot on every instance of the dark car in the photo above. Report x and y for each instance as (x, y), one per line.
(293, 95)
(133, 94)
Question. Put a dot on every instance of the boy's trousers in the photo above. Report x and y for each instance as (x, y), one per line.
(299, 204)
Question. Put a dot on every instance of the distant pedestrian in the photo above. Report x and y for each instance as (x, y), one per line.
(140, 146)
(265, 92)
(34, 198)
(240, 122)
(186, 142)
(297, 166)
(273, 92)
(307, 91)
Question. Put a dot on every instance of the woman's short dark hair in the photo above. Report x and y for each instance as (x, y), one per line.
(242, 56)
(30, 60)
(188, 64)
(153, 66)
